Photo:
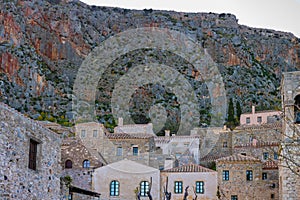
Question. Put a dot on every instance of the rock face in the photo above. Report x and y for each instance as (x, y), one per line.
(43, 43)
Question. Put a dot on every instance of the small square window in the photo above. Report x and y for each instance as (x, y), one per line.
(95, 133)
(259, 119)
(119, 151)
(248, 120)
(135, 151)
(224, 144)
(265, 155)
(225, 175)
(275, 156)
(264, 176)
(83, 133)
(178, 187)
(249, 175)
(234, 197)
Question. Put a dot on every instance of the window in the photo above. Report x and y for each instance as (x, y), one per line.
(259, 119)
(275, 156)
(114, 188)
(265, 155)
(244, 154)
(86, 164)
(68, 164)
(234, 197)
(135, 151)
(83, 133)
(32, 154)
(95, 133)
(70, 196)
(200, 187)
(144, 188)
(272, 196)
(224, 144)
(264, 176)
(248, 120)
(249, 175)
(225, 175)
(296, 109)
(119, 151)
(178, 187)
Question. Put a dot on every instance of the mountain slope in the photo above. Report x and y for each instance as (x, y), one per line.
(42, 44)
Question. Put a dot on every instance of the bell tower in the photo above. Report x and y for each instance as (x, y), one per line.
(289, 166)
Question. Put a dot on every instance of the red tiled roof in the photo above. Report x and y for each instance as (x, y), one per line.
(238, 158)
(189, 168)
(259, 126)
(128, 136)
(270, 164)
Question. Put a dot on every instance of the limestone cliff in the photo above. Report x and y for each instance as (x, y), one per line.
(42, 44)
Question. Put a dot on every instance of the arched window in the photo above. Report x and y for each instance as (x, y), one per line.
(68, 164)
(86, 164)
(144, 188)
(114, 188)
(297, 109)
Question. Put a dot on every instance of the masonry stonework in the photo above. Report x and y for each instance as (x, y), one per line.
(17, 180)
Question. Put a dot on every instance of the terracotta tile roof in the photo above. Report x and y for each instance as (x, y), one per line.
(189, 168)
(238, 158)
(212, 157)
(167, 139)
(128, 136)
(258, 145)
(270, 164)
(277, 125)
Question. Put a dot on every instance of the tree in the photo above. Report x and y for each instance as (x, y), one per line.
(149, 191)
(230, 115)
(238, 112)
(186, 194)
(167, 194)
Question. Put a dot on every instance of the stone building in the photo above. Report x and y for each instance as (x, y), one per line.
(220, 147)
(251, 134)
(289, 171)
(113, 147)
(196, 179)
(184, 148)
(122, 180)
(78, 164)
(261, 117)
(30, 158)
(246, 178)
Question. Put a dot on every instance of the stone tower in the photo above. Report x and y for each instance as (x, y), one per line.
(289, 174)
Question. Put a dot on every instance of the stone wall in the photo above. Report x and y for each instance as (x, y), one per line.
(289, 172)
(17, 180)
(256, 189)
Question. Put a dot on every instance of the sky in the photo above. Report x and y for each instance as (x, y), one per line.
(281, 15)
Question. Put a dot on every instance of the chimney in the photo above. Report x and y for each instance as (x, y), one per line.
(120, 121)
(167, 133)
(253, 109)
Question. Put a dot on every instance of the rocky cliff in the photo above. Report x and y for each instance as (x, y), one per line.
(42, 45)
